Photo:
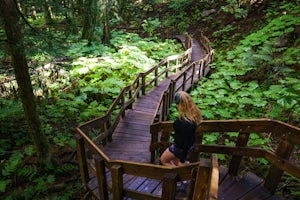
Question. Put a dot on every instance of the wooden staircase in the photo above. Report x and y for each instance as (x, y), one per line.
(117, 153)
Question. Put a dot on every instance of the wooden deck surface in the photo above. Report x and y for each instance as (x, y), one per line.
(131, 141)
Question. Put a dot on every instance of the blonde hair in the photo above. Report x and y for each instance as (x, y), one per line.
(187, 109)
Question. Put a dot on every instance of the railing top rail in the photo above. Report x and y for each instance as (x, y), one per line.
(242, 125)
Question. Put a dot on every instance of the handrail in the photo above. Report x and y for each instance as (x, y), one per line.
(130, 93)
(97, 132)
(93, 161)
(188, 81)
(279, 160)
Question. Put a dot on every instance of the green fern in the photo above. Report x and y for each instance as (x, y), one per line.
(13, 164)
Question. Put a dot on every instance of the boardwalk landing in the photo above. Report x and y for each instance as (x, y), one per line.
(131, 141)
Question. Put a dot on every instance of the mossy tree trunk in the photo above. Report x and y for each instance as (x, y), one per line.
(9, 13)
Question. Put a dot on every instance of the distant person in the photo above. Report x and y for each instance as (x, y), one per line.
(189, 116)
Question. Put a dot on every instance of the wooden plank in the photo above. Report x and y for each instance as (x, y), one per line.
(125, 124)
(133, 132)
(158, 190)
(223, 171)
(227, 182)
(135, 184)
(241, 187)
(128, 179)
(128, 137)
(139, 157)
(257, 194)
(149, 185)
(127, 146)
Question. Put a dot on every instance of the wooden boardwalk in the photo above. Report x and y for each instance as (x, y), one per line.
(131, 141)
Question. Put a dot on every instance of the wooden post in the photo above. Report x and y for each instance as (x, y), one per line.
(284, 150)
(201, 185)
(169, 186)
(101, 177)
(137, 87)
(193, 74)
(82, 159)
(173, 88)
(201, 69)
(122, 104)
(167, 68)
(184, 81)
(214, 178)
(170, 99)
(192, 183)
(235, 162)
(130, 97)
(186, 42)
(117, 182)
(154, 139)
(143, 85)
(156, 73)
(108, 122)
(164, 108)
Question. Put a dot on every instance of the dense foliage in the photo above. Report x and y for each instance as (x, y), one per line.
(255, 74)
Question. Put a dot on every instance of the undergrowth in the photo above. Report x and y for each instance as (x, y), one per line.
(74, 88)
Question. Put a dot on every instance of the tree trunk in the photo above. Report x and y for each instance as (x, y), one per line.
(106, 28)
(48, 12)
(88, 23)
(8, 11)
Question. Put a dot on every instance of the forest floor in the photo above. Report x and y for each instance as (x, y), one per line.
(65, 154)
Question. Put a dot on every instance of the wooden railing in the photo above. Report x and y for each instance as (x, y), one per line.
(288, 135)
(101, 129)
(94, 163)
(92, 135)
(183, 81)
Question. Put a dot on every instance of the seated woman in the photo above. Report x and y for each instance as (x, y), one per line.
(189, 116)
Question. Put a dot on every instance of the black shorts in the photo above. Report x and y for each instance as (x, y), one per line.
(177, 151)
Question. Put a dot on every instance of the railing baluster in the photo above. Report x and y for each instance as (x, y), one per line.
(82, 159)
(101, 178)
(122, 104)
(130, 97)
(235, 162)
(184, 81)
(201, 69)
(156, 78)
(193, 74)
(167, 67)
(117, 182)
(143, 85)
(164, 108)
(169, 186)
(273, 178)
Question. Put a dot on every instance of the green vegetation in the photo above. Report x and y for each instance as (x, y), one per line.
(70, 92)
(255, 74)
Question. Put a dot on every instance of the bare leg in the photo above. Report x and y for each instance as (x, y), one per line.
(168, 158)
